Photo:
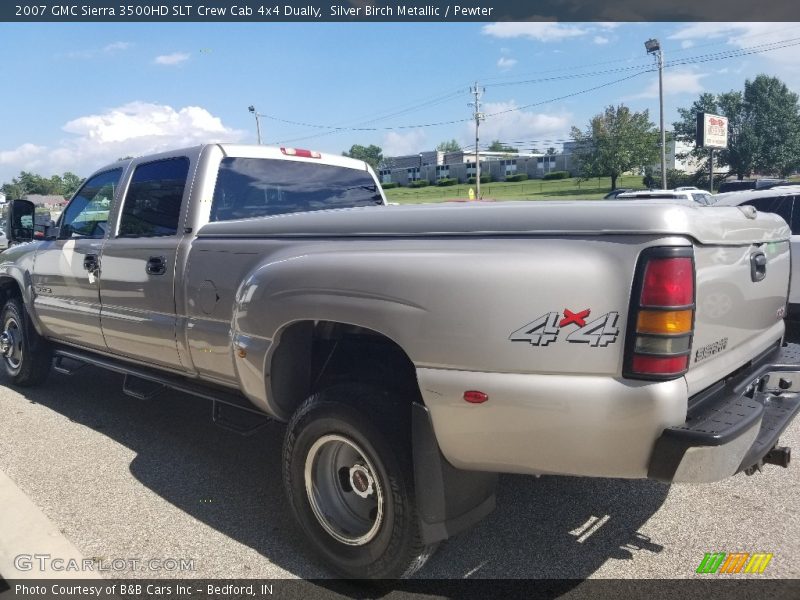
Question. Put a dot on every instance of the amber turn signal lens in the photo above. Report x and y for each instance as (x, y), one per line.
(664, 321)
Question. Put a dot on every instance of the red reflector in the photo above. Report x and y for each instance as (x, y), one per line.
(659, 365)
(668, 282)
(474, 397)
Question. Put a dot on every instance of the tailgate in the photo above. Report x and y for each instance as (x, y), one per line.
(741, 293)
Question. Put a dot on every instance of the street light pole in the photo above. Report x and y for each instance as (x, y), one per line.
(653, 47)
(252, 109)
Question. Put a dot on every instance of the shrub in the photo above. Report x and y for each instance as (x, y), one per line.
(418, 183)
(484, 179)
(556, 175)
(390, 185)
(517, 177)
(446, 181)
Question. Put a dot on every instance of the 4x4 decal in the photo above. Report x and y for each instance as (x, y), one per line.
(543, 331)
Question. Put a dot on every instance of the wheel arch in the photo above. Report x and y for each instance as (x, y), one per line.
(307, 355)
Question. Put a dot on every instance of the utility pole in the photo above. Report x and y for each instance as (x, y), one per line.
(654, 47)
(253, 110)
(477, 92)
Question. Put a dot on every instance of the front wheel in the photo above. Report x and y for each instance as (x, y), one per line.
(350, 484)
(26, 356)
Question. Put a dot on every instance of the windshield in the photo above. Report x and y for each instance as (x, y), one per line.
(259, 187)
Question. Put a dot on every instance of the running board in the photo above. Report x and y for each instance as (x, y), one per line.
(144, 383)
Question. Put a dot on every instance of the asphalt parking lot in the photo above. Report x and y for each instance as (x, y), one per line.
(156, 479)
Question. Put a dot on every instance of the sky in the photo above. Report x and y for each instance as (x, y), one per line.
(78, 96)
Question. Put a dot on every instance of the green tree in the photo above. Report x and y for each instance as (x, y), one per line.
(498, 146)
(451, 146)
(763, 128)
(31, 183)
(372, 155)
(774, 116)
(616, 141)
(71, 183)
(551, 151)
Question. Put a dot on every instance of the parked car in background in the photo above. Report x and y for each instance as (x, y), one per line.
(738, 185)
(614, 193)
(783, 201)
(699, 196)
(3, 240)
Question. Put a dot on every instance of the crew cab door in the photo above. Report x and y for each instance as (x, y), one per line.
(137, 287)
(66, 272)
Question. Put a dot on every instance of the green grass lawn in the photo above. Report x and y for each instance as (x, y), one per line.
(533, 189)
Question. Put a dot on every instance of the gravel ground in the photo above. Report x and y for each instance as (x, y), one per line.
(155, 479)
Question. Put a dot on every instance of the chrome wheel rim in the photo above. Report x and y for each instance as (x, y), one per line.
(11, 343)
(343, 490)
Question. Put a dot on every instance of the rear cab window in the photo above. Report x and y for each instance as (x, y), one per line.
(260, 187)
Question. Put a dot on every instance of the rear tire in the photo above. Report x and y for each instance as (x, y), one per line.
(26, 356)
(349, 481)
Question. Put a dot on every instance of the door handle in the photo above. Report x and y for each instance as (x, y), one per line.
(156, 265)
(90, 263)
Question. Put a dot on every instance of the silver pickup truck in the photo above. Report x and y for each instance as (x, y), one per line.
(414, 351)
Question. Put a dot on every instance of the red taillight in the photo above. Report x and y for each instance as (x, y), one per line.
(668, 282)
(659, 365)
(301, 152)
(661, 323)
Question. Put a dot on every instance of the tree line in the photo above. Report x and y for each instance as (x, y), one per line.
(763, 136)
(30, 183)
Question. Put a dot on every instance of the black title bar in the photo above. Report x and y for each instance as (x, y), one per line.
(250, 11)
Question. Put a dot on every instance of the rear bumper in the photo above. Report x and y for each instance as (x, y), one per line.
(732, 425)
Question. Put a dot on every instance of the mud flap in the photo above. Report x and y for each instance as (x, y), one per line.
(449, 500)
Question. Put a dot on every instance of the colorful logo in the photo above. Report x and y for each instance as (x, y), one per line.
(734, 562)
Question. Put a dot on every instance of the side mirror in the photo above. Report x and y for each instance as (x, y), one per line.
(20, 221)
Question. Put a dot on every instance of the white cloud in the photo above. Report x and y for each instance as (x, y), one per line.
(117, 46)
(742, 35)
(600, 40)
(26, 153)
(508, 125)
(90, 53)
(675, 82)
(534, 30)
(504, 64)
(132, 129)
(175, 58)
(401, 144)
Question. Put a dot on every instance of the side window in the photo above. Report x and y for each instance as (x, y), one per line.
(781, 206)
(152, 205)
(87, 214)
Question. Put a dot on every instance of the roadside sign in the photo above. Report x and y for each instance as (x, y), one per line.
(712, 131)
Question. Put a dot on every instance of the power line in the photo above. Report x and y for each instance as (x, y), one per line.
(642, 62)
(757, 49)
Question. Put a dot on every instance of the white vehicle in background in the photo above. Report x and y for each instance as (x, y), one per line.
(3, 240)
(783, 201)
(701, 197)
